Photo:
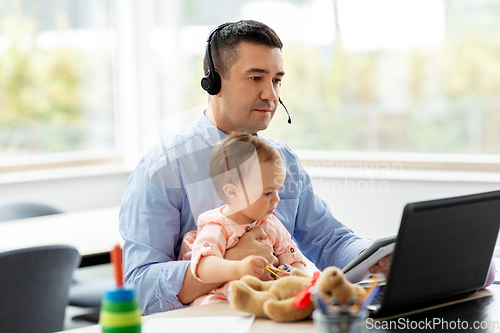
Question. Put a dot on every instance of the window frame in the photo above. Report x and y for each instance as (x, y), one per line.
(400, 161)
(136, 106)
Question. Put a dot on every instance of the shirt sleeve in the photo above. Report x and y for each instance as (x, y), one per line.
(211, 240)
(150, 227)
(187, 245)
(321, 237)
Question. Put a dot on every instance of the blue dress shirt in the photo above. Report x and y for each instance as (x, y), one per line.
(170, 188)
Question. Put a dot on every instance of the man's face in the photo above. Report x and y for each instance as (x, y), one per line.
(249, 94)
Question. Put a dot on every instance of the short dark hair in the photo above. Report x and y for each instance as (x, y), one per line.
(225, 40)
(233, 151)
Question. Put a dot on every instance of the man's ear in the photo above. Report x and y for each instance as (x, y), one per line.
(221, 83)
(231, 192)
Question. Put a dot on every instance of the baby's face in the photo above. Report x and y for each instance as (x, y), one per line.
(263, 190)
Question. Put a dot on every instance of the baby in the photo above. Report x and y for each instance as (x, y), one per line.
(247, 174)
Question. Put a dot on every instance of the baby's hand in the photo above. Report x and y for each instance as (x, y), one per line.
(252, 265)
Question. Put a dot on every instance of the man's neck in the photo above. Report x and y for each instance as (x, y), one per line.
(210, 114)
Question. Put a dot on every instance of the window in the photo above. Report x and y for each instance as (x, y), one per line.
(384, 76)
(414, 80)
(56, 79)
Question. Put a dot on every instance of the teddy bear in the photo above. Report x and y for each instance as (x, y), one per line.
(288, 298)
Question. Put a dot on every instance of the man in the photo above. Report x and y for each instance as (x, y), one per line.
(170, 187)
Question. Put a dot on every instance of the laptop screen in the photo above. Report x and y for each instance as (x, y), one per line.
(444, 248)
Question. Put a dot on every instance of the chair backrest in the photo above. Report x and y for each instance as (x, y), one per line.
(22, 210)
(34, 284)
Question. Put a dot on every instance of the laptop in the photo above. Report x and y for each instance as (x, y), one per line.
(442, 253)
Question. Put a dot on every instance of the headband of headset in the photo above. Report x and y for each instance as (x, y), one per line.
(211, 82)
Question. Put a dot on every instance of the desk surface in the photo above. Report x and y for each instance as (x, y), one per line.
(91, 232)
(483, 310)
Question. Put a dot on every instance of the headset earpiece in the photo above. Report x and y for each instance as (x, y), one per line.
(211, 82)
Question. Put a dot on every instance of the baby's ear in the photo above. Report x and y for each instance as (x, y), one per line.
(231, 192)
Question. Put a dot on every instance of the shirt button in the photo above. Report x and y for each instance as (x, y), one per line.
(292, 250)
(248, 229)
(206, 245)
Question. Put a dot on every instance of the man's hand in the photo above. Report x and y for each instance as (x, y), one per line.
(251, 244)
(382, 266)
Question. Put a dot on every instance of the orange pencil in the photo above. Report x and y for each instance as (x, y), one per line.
(116, 261)
(371, 287)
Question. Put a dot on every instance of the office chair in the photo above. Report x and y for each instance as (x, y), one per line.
(82, 294)
(88, 294)
(34, 288)
(16, 210)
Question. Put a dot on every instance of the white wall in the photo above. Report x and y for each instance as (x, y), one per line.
(69, 192)
(377, 214)
(375, 211)
(371, 206)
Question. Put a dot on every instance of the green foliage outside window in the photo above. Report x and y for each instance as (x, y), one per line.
(39, 93)
(452, 99)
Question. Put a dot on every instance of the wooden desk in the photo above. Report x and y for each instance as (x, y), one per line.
(219, 309)
(93, 233)
(483, 310)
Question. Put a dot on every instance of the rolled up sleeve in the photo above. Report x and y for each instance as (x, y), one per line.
(150, 227)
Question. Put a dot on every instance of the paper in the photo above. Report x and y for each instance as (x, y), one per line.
(497, 274)
(361, 272)
(198, 324)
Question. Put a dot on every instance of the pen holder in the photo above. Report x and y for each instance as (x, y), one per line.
(120, 311)
(339, 322)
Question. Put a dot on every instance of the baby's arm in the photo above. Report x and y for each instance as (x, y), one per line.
(299, 266)
(298, 269)
(212, 269)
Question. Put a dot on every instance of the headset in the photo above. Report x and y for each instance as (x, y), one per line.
(211, 82)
